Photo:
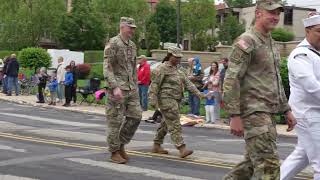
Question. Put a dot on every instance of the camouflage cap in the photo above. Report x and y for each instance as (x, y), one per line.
(128, 21)
(175, 51)
(270, 4)
(142, 57)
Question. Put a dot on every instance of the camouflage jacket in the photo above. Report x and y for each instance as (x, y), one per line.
(119, 67)
(253, 81)
(169, 82)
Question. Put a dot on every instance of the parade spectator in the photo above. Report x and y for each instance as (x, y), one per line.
(209, 107)
(60, 78)
(12, 71)
(43, 77)
(195, 75)
(75, 73)
(143, 81)
(5, 77)
(68, 83)
(53, 86)
(224, 62)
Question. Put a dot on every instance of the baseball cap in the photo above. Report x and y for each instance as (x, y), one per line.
(128, 21)
(270, 4)
(175, 51)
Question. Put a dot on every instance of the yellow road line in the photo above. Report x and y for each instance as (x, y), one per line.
(136, 153)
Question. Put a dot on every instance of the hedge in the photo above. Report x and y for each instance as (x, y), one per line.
(93, 56)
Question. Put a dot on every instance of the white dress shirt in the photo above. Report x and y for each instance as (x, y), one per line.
(304, 77)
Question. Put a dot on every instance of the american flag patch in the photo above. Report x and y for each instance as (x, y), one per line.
(243, 44)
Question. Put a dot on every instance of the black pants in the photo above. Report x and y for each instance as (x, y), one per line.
(40, 92)
(68, 93)
(74, 93)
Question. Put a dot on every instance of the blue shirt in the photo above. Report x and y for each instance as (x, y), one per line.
(68, 79)
(53, 85)
(210, 101)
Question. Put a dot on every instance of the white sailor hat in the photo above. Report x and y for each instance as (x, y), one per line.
(313, 19)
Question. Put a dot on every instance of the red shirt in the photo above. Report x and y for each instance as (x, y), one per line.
(144, 74)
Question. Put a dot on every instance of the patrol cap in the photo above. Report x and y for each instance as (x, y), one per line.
(312, 20)
(270, 4)
(175, 51)
(142, 57)
(128, 21)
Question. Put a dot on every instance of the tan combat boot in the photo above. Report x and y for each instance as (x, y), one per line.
(116, 158)
(158, 149)
(184, 152)
(123, 153)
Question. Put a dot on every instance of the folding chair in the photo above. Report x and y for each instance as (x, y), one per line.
(88, 91)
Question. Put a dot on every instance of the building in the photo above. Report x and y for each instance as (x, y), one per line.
(290, 19)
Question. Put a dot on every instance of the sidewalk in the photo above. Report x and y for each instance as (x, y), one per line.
(100, 110)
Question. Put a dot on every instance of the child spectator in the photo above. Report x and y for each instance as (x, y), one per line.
(53, 86)
(68, 83)
(210, 104)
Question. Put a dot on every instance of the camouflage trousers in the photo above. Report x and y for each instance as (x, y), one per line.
(170, 110)
(123, 119)
(261, 157)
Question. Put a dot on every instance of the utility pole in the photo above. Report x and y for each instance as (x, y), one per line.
(178, 23)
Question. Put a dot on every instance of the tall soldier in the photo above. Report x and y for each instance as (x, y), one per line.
(123, 108)
(253, 94)
(166, 91)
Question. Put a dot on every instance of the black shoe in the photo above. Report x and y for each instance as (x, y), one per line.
(8, 95)
(40, 102)
(66, 105)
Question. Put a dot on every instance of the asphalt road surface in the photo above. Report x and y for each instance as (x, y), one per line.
(47, 144)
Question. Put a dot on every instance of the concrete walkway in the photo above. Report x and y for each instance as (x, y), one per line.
(100, 110)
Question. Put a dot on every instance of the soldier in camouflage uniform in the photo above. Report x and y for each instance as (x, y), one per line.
(253, 94)
(166, 92)
(123, 108)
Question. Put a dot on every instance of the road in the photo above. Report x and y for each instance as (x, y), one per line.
(40, 143)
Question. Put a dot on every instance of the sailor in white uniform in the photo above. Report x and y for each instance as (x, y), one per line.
(304, 77)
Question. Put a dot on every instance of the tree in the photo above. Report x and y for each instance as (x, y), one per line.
(24, 22)
(238, 3)
(110, 12)
(165, 18)
(34, 58)
(230, 30)
(82, 29)
(201, 42)
(198, 16)
(152, 37)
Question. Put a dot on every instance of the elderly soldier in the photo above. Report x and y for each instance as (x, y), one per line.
(254, 94)
(304, 75)
(166, 91)
(123, 109)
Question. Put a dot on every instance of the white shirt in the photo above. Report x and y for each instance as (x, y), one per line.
(304, 77)
(60, 73)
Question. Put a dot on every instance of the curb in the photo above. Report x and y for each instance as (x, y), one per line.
(218, 127)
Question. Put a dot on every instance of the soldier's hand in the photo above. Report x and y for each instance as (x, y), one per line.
(236, 126)
(117, 94)
(291, 121)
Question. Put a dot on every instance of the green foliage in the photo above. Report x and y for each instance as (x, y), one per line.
(201, 42)
(230, 30)
(7, 53)
(93, 56)
(282, 35)
(82, 29)
(24, 22)
(165, 18)
(239, 3)
(112, 10)
(96, 71)
(197, 16)
(34, 58)
(284, 76)
(152, 37)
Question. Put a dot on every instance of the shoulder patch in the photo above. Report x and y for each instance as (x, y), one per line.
(243, 44)
(300, 54)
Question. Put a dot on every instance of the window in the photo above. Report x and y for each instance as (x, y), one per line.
(288, 16)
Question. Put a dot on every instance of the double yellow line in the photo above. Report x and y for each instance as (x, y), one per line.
(135, 153)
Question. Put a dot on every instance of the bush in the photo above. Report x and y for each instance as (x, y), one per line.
(284, 76)
(97, 71)
(93, 56)
(282, 35)
(201, 42)
(84, 70)
(34, 58)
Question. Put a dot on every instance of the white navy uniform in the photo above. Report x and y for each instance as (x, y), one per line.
(304, 77)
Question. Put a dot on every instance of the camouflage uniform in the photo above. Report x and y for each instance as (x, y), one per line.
(253, 90)
(166, 91)
(120, 71)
